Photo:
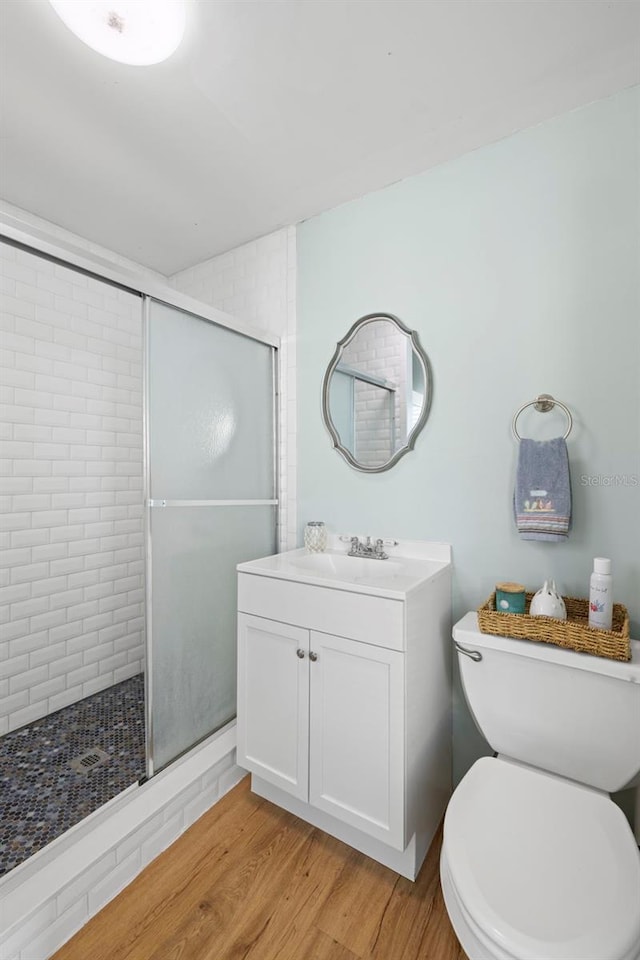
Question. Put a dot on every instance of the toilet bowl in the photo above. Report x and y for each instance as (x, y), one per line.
(537, 861)
(534, 867)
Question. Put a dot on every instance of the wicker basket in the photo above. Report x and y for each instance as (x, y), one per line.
(574, 632)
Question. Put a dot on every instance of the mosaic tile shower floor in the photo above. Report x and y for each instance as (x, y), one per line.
(41, 796)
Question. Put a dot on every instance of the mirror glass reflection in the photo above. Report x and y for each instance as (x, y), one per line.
(376, 392)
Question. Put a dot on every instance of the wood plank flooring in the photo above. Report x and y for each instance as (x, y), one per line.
(249, 881)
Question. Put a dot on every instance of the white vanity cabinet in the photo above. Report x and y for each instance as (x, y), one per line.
(322, 718)
(344, 699)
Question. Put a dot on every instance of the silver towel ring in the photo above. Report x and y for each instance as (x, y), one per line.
(543, 404)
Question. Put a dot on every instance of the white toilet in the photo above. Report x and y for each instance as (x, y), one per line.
(537, 861)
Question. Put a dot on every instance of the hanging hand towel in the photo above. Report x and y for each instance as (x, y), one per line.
(542, 499)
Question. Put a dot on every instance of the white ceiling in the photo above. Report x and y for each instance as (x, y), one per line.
(274, 110)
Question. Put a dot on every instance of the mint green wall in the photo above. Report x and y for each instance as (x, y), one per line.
(518, 265)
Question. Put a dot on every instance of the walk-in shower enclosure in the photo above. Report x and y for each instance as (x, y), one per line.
(139, 438)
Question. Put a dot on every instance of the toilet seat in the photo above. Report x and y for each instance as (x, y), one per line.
(540, 868)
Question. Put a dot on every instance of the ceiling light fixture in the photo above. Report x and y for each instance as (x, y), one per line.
(138, 32)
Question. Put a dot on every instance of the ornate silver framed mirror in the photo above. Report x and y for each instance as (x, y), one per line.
(376, 392)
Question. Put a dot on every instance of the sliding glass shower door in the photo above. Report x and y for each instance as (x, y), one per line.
(211, 504)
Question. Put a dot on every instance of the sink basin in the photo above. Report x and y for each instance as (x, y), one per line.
(349, 568)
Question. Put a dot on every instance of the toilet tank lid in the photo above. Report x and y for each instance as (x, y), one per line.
(468, 634)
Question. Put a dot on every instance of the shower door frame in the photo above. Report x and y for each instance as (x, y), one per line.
(22, 235)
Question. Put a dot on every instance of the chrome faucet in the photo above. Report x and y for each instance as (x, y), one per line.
(373, 551)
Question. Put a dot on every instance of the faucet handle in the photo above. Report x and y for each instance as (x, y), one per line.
(380, 553)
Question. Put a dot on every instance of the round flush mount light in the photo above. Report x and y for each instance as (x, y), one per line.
(138, 32)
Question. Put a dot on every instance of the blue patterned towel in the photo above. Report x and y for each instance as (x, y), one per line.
(542, 499)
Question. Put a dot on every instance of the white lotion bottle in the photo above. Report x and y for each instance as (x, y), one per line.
(601, 595)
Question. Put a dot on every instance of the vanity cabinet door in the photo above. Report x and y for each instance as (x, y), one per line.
(356, 751)
(273, 702)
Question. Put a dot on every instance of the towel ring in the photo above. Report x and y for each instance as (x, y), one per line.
(543, 404)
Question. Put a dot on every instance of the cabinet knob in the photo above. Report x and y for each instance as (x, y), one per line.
(313, 656)
(300, 653)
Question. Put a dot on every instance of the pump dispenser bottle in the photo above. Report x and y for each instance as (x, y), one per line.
(601, 595)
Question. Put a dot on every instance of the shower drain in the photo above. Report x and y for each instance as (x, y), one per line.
(89, 760)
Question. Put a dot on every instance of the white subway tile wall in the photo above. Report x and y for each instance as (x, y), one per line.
(71, 515)
(257, 283)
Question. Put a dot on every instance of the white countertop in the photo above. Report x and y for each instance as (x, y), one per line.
(394, 578)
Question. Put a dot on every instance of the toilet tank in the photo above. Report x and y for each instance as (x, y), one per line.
(569, 713)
